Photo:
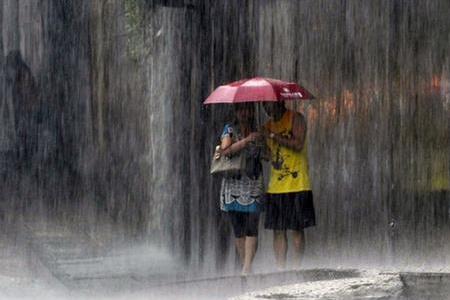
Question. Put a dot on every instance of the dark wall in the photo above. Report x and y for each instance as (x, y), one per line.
(378, 130)
(367, 63)
(124, 139)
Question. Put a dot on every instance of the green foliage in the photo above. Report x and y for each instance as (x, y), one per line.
(136, 28)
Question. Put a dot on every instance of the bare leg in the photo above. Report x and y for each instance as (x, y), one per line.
(298, 239)
(251, 245)
(240, 247)
(280, 247)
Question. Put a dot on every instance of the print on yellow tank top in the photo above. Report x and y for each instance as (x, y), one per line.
(289, 168)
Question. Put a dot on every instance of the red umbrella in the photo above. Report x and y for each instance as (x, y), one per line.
(258, 89)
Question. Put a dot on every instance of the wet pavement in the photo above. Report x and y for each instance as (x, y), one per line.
(54, 262)
(370, 285)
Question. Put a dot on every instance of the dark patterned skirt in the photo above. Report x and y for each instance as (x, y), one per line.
(290, 211)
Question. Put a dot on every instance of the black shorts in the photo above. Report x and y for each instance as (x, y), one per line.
(244, 223)
(290, 211)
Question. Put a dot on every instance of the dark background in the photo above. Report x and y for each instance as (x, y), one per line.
(120, 136)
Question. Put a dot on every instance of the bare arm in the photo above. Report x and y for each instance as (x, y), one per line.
(228, 147)
(297, 140)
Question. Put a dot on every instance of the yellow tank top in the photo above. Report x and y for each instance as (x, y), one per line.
(289, 168)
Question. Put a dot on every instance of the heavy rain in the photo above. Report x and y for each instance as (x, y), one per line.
(106, 147)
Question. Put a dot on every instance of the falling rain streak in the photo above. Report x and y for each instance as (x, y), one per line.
(104, 137)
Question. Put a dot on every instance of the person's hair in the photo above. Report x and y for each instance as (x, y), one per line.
(251, 106)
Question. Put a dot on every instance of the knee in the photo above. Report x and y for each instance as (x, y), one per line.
(297, 243)
(278, 234)
(298, 238)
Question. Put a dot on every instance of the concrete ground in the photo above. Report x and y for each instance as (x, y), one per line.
(53, 263)
(370, 285)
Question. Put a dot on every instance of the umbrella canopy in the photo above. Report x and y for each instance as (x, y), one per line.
(258, 89)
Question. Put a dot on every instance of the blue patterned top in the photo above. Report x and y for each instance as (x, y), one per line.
(242, 193)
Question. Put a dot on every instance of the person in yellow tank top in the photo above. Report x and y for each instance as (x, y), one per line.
(289, 201)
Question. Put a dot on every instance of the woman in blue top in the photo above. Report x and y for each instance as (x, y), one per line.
(241, 195)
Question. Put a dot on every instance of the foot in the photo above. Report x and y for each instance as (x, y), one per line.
(246, 271)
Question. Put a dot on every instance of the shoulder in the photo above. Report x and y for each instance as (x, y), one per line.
(227, 130)
(298, 120)
(298, 116)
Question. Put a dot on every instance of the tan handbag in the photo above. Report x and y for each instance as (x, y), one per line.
(227, 165)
